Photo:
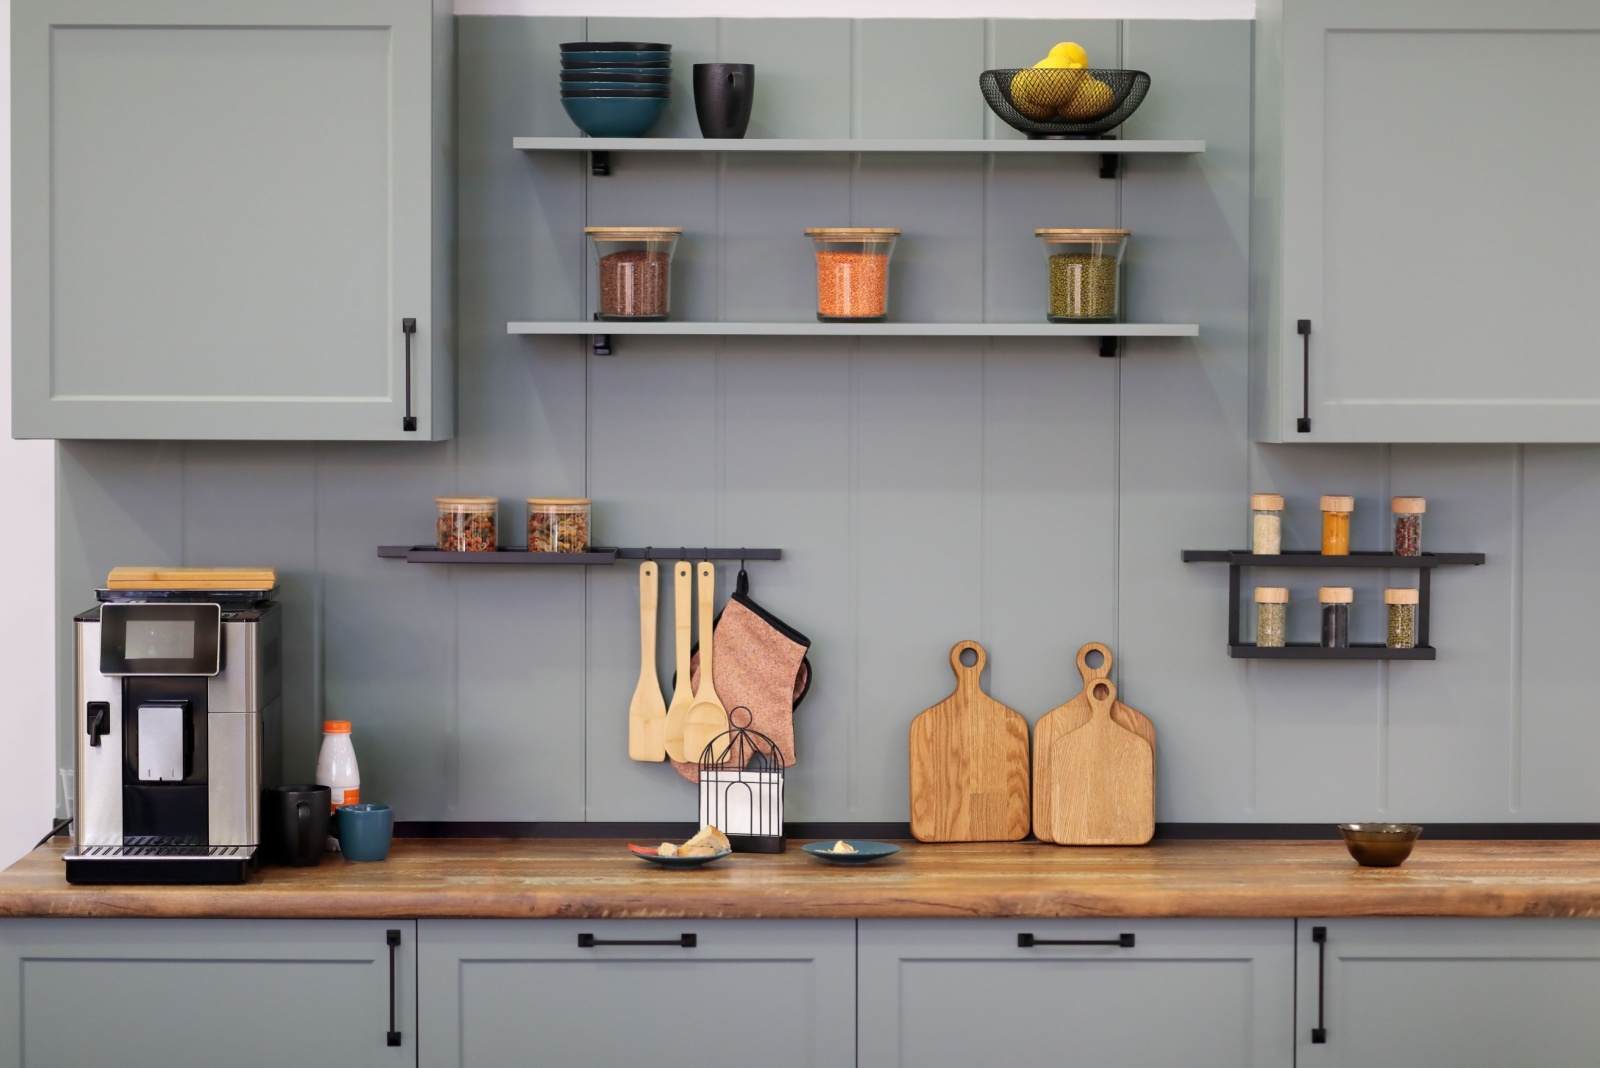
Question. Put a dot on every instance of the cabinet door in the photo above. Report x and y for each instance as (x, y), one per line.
(535, 993)
(1197, 993)
(1436, 218)
(1399, 993)
(241, 993)
(222, 212)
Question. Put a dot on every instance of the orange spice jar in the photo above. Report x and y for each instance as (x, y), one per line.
(1336, 525)
(853, 272)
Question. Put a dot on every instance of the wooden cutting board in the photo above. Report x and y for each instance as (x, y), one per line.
(1067, 718)
(969, 763)
(1104, 789)
(192, 578)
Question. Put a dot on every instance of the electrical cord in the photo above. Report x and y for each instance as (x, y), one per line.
(60, 826)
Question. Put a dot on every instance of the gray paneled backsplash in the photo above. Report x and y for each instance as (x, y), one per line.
(1022, 492)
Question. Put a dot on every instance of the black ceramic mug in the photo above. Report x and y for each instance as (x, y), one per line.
(294, 824)
(723, 93)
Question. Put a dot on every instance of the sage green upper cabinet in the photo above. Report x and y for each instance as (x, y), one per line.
(1425, 196)
(223, 213)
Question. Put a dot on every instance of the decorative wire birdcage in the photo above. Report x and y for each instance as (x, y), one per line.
(741, 786)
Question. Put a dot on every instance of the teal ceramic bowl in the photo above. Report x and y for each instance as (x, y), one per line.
(570, 76)
(607, 89)
(614, 46)
(614, 116)
(646, 66)
(615, 57)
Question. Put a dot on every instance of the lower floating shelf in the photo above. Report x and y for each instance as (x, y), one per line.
(1305, 651)
(597, 554)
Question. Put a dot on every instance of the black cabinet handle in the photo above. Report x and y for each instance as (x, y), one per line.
(1303, 424)
(408, 327)
(394, 944)
(686, 941)
(1319, 1033)
(1027, 941)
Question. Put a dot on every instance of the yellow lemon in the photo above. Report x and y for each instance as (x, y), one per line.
(1033, 94)
(1050, 87)
(1092, 100)
(1070, 54)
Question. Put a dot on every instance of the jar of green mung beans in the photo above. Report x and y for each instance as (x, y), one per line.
(1085, 274)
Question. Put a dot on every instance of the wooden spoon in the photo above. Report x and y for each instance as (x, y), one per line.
(707, 718)
(647, 712)
(682, 695)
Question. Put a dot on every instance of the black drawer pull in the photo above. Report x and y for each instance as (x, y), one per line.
(394, 944)
(1303, 424)
(1027, 941)
(1319, 1033)
(685, 941)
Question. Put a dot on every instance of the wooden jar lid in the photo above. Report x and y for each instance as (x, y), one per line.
(1272, 595)
(1336, 594)
(851, 233)
(1399, 595)
(1338, 504)
(1266, 502)
(559, 502)
(1408, 505)
(466, 504)
(625, 233)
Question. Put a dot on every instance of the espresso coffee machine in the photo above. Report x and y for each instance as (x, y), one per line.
(177, 707)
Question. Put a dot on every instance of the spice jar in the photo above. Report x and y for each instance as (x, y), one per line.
(852, 272)
(558, 524)
(1336, 525)
(466, 524)
(1402, 617)
(1336, 615)
(634, 269)
(1272, 616)
(1266, 524)
(1408, 524)
(1085, 274)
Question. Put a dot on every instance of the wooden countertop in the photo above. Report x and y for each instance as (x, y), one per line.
(528, 878)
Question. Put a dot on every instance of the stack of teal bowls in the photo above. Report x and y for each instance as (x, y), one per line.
(615, 88)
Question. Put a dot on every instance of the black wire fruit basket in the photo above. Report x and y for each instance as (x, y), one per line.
(1064, 102)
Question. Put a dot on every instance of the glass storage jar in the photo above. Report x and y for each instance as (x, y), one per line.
(1407, 513)
(1085, 274)
(853, 272)
(1336, 525)
(465, 524)
(1266, 524)
(1402, 604)
(1336, 615)
(1272, 616)
(633, 269)
(558, 524)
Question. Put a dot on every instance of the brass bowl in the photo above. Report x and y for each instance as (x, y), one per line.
(1380, 845)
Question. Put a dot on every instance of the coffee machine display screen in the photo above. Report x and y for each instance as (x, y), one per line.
(160, 639)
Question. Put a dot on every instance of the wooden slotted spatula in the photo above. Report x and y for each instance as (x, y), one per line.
(1105, 792)
(682, 695)
(647, 712)
(707, 718)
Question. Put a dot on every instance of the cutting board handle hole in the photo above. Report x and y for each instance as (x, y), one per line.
(1094, 658)
(1101, 691)
(969, 657)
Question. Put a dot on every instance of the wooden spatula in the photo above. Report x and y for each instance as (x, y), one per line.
(707, 718)
(647, 712)
(682, 695)
(1105, 792)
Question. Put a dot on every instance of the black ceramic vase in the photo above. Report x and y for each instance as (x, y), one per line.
(723, 93)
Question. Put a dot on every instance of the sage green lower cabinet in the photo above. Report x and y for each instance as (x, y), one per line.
(774, 993)
(1196, 993)
(1436, 993)
(176, 993)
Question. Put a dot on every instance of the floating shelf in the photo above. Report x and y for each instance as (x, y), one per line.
(427, 554)
(1239, 559)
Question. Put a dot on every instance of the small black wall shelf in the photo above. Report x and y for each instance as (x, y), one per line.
(427, 554)
(1239, 559)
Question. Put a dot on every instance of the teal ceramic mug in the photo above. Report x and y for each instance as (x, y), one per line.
(364, 831)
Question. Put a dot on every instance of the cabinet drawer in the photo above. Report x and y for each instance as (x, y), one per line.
(512, 992)
(1197, 993)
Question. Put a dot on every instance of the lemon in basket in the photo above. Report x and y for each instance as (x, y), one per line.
(1091, 99)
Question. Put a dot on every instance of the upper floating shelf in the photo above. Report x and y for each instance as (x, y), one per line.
(854, 144)
(815, 328)
(1314, 558)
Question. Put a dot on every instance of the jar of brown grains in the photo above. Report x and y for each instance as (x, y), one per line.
(853, 272)
(1407, 513)
(465, 524)
(558, 524)
(1085, 274)
(633, 266)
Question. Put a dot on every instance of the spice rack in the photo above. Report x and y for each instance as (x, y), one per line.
(1239, 559)
(427, 554)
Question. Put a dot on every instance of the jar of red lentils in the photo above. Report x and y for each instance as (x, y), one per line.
(633, 266)
(853, 272)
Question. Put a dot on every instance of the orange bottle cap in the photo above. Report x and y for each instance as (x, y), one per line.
(335, 726)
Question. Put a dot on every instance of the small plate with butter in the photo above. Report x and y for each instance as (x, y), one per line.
(850, 851)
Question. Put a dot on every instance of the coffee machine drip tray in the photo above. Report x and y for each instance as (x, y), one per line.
(148, 860)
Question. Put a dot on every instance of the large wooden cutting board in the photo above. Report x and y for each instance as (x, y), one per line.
(1067, 718)
(1104, 791)
(969, 763)
(192, 578)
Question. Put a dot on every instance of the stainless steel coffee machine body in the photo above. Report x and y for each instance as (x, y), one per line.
(177, 713)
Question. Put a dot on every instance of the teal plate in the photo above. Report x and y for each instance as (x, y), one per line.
(865, 852)
(649, 853)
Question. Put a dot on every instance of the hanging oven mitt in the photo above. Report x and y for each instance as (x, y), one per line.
(761, 665)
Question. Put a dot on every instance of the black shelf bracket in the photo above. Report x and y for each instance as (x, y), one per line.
(1303, 424)
(1108, 347)
(600, 163)
(600, 344)
(1109, 164)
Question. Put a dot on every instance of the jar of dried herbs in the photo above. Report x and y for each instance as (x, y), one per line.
(1336, 615)
(1407, 513)
(634, 269)
(465, 524)
(1266, 524)
(1402, 604)
(558, 524)
(1272, 616)
(1085, 274)
(1336, 525)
